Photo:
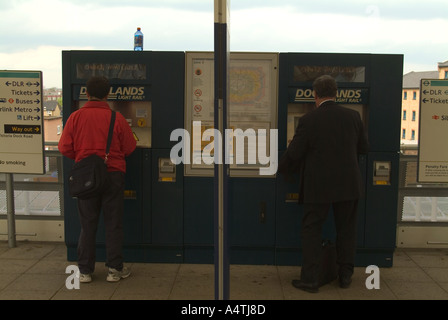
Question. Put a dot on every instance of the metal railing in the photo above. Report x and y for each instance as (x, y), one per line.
(419, 202)
(41, 196)
(37, 196)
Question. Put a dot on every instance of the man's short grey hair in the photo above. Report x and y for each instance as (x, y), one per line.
(325, 86)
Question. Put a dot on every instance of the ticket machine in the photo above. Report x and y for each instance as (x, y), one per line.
(370, 84)
(147, 89)
(168, 100)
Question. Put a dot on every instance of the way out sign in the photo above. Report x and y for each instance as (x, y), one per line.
(21, 122)
(433, 150)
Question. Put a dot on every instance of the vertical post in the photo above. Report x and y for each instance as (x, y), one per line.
(418, 208)
(221, 169)
(10, 211)
(434, 209)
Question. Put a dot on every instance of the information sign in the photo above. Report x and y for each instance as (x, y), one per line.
(21, 122)
(433, 152)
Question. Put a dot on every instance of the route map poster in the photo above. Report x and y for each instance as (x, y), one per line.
(252, 95)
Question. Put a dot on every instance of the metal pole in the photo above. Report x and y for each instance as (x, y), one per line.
(221, 169)
(221, 229)
(10, 211)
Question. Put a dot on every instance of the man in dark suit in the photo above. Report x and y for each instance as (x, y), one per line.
(326, 144)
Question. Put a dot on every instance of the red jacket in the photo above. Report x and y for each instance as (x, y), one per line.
(85, 133)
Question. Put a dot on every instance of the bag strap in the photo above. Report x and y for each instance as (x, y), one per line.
(109, 136)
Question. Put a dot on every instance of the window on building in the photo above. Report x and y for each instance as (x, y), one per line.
(405, 97)
(403, 134)
(404, 114)
(59, 131)
(414, 96)
(413, 135)
(414, 115)
(446, 74)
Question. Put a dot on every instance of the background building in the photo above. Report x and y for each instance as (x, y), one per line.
(52, 94)
(52, 116)
(410, 107)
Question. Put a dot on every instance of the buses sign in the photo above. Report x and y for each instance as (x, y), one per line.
(21, 122)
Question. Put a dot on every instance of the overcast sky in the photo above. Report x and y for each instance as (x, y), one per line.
(33, 33)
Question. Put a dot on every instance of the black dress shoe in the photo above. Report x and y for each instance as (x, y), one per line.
(345, 282)
(313, 288)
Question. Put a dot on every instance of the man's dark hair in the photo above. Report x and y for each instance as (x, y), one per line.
(98, 87)
(325, 86)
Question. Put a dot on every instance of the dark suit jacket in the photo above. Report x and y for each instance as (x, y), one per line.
(326, 145)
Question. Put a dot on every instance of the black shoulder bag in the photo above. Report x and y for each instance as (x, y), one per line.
(88, 176)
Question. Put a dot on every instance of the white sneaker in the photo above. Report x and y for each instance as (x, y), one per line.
(85, 278)
(114, 275)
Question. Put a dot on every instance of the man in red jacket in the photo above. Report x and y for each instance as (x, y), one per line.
(85, 133)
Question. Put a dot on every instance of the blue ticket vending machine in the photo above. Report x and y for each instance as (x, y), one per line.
(147, 88)
(370, 84)
(169, 208)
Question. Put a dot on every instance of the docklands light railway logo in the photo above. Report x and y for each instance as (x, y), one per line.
(211, 153)
(124, 93)
(350, 96)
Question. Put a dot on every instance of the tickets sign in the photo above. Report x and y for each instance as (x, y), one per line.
(21, 122)
(433, 153)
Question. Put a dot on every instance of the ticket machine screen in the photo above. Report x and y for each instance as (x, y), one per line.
(138, 116)
(298, 110)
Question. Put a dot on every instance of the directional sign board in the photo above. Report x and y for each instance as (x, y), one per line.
(433, 148)
(21, 122)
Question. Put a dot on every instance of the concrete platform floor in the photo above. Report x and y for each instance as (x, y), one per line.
(37, 271)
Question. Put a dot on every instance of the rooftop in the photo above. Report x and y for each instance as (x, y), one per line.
(412, 79)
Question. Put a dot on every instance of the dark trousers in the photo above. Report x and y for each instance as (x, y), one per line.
(110, 201)
(345, 217)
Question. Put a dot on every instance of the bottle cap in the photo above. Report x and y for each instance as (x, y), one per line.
(138, 29)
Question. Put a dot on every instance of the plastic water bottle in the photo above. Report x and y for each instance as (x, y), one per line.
(138, 40)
